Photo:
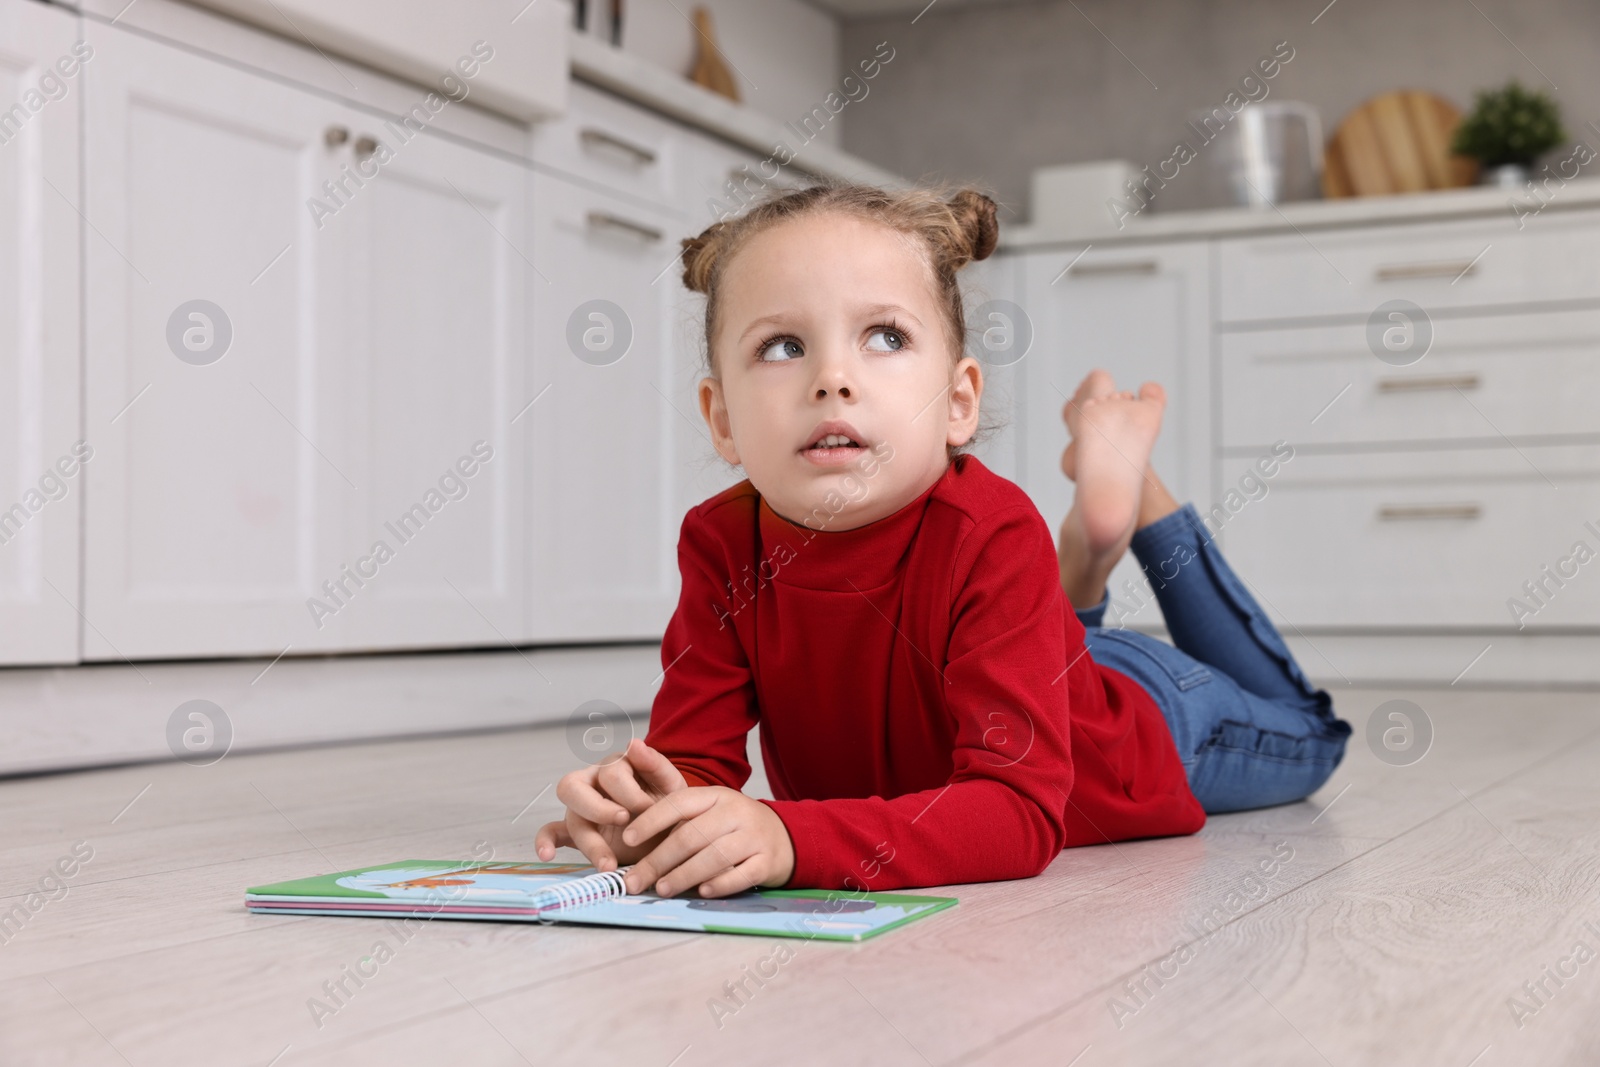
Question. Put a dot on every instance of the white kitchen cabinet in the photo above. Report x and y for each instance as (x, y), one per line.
(1442, 539)
(39, 348)
(1481, 377)
(1469, 264)
(431, 333)
(608, 427)
(347, 356)
(1140, 312)
(606, 140)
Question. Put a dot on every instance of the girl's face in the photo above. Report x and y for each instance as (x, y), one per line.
(832, 319)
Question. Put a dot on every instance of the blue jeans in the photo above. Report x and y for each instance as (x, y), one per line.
(1250, 729)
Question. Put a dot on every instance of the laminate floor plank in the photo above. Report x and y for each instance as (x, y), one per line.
(1389, 918)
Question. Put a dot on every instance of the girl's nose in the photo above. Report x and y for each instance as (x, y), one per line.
(834, 375)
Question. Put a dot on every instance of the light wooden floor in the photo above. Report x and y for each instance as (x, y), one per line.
(1416, 903)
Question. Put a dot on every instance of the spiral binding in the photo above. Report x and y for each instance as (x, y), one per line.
(581, 891)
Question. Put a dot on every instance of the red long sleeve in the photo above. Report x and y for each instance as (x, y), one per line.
(928, 715)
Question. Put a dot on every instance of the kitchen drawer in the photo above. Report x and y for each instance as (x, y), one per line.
(1433, 265)
(618, 144)
(1430, 539)
(1523, 375)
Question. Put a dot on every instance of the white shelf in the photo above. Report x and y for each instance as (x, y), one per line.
(1310, 215)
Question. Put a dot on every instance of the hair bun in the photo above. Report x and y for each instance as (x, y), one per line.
(697, 265)
(977, 215)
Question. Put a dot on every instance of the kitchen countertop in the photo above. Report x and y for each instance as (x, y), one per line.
(1475, 201)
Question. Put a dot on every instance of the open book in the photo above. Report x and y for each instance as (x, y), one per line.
(577, 893)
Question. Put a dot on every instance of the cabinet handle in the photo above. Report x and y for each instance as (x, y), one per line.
(1455, 268)
(617, 222)
(1441, 381)
(590, 135)
(334, 136)
(1130, 266)
(1410, 512)
(366, 144)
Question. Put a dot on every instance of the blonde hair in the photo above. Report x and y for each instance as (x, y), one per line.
(951, 231)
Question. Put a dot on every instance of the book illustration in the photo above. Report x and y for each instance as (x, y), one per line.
(510, 881)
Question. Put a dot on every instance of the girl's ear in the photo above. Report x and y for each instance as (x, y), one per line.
(714, 409)
(966, 392)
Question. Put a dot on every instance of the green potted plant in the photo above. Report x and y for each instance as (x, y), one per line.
(1507, 130)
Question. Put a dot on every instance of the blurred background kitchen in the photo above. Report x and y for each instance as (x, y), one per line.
(349, 380)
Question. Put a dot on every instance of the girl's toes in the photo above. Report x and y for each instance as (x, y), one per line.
(1096, 383)
(1153, 393)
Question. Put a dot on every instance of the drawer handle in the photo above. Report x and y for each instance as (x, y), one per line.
(592, 135)
(617, 222)
(1417, 385)
(1413, 512)
(1131, 266)
(1456, 268)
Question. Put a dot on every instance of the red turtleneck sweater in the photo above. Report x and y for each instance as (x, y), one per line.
(929, 713)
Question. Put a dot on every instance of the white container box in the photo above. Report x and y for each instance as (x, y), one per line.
(1071, 198)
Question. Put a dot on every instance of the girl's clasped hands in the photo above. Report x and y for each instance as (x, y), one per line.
(638, 808)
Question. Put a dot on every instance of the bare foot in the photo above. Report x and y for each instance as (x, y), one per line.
(1097, 383)
(1113, 433)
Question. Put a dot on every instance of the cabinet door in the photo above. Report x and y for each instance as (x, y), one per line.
(993, 290)
(39, 355)
(431, 332)
(215, 398)
(606, 453)
(1142, 313)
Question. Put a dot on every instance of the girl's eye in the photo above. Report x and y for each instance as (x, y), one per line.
(893, 341)
(779, 349)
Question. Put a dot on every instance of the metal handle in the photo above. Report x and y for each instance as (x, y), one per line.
(334, 136)
(1131, 266)
(592, 135)
(1455, 268)
(366, 145)
(1409, 512)
(1417, 385)
(605, 218)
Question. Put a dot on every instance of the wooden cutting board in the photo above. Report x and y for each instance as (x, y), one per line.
(1396, 143)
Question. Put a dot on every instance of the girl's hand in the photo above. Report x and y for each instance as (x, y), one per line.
(602, 799)
(725, 842)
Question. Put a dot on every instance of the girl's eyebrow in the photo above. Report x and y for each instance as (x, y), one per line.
(874, 310)
(775, 320)
(869, 311)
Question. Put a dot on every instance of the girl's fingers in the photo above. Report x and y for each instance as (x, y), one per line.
(656, 770)
(619, 780)
(587, 839)
(690, 839)
(670, 809)
(720, 854)
(551, 836)
(578, 793)
(746, 875)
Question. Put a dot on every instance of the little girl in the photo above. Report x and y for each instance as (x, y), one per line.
(937, 699)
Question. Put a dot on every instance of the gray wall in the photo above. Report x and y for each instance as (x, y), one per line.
(987, 92)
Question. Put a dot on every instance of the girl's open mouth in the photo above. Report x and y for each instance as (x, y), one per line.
(833, 450)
